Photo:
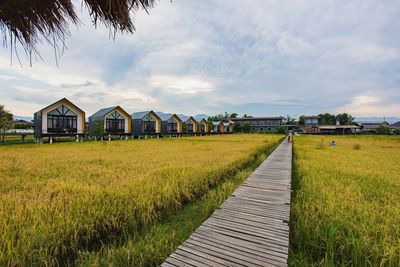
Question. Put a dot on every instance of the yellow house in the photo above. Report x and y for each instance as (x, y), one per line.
(192, 126)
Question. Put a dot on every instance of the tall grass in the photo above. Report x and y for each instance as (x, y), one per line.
(153, 246)
(346, 205)
(59, 200)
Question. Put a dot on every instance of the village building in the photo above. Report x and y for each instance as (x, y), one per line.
(60, 119)
(146, 123)
(112, 121)
(191, 126)
(172, 125)
(260, 124)
(370, 126)
(228, 127)
(218, 126)
(204, 126)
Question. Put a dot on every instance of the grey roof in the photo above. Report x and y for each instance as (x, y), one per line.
(256, 118)
(215, 123)
(166, 116)
(139, 115)
(395, 125)
(227, 123)
(104, 111)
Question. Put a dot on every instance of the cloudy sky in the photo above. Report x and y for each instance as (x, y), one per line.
(255, 57)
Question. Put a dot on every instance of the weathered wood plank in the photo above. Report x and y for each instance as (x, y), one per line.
(251, 226)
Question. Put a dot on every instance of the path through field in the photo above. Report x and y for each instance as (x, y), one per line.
(251, 227)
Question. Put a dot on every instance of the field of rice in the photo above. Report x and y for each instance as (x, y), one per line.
(61, 200)
(346, 202)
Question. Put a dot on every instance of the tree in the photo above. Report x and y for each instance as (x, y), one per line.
(233, 115)
(246, 127)
(290, 120)
(344, 119)
(327, 119)
(237, 127)
(382, 129)
(281, 129)
(98, 129)
(31, 21)
(396, 131)
(5, 120)
(301, 120)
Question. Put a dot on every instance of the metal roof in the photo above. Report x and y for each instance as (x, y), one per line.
(64, 99)
(256, 118)
(104, 111)
(216, 123)
(141, 114)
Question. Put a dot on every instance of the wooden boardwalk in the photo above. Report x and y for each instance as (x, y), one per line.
(251, 227)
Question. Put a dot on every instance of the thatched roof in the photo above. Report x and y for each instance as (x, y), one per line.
(32, 21)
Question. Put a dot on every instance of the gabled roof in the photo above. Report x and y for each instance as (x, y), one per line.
(102, 112)
(192, 119)
(227, 123)
(256, 118)
(66, 100)
(166, 117)
(217, 123)
(395, 125)
(141, 114)
(203, 120)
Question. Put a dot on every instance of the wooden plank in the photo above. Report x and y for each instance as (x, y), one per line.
(251, 226)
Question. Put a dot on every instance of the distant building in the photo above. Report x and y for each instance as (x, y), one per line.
(171, 124)
(146, 123)
(218, 127)
(395, 125)
(204, 126)
(228, 127)
(191, 126)
(370, 126)
(260, 124)
(113, 121)
(62, 118)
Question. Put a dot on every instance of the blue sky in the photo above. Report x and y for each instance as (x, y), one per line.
(255, 57)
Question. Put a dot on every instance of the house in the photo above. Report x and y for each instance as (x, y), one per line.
(337, 129)
(171, 124)
(370, 126)
(204, 127)
(110, 121)
(260, 124)
(228, 127)
(395, 125)
(62, 118)
(218, 126)
(146, 123)
(311, 124)
(191, 126)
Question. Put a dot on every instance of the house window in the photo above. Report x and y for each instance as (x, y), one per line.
(148, 126)
(62, 120)
(202, 127)
(172, 127)
(115, 125)
(190, 127)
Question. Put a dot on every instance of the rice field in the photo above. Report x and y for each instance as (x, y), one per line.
(346, 203)
(58, 201)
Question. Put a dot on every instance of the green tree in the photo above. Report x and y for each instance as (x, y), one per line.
(327, 119)
(98, 129)
(237, 127)
(281, 129)
(246, 127)
(233, 115)
(301, 120)
(382, 129)
(344, 119)
(290, 120)
(5, 120)
(396, 131)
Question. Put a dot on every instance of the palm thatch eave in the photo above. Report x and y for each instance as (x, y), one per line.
(31, 22)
